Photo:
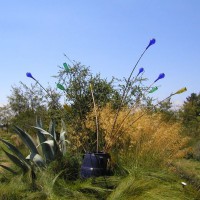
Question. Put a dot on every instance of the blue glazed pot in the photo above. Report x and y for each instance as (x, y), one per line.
(95, 164)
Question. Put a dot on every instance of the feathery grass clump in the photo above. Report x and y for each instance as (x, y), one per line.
(146, 141)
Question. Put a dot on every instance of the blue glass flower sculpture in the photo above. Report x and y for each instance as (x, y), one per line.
(153, 41)
(162, 75)
(28, 74)
(140, 71)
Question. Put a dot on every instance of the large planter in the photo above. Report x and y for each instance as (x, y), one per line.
(95, 164)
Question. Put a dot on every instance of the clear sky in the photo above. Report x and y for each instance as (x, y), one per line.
(107, 35)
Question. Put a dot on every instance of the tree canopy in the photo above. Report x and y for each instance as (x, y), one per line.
(190, 114)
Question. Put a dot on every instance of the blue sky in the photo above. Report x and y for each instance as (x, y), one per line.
(107, 35)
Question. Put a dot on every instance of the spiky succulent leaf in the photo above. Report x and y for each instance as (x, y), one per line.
(39, 122)
(15, 151)
(36, 159)
(55, 147)
(46, 150)
(42, 131)
(8, 169)
(50, 154)
(27, 139)
(41, 137)
(62, 138)
(52, 130)
(62, 143)
(17, 161)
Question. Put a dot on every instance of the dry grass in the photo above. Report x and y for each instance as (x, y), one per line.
(149, 140)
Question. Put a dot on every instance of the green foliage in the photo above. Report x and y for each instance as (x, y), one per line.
(196, 151)
(190, 115)
(69, 166)
(27, 103)
(165, 108)
(54, 149)
(78, 95)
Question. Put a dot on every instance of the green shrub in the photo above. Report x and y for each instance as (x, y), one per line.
(68, 166)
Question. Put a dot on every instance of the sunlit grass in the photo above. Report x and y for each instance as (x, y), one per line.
(190, 165)
(154, 186)
(141, 155)
(189, 170)
(138, 183)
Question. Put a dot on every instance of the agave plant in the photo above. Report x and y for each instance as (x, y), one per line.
(51, 148)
